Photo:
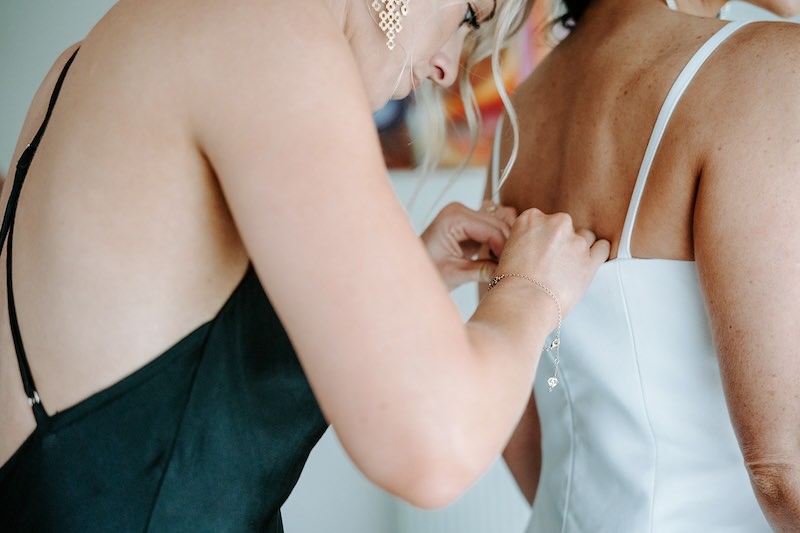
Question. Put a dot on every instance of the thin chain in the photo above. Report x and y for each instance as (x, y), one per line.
(552, 381)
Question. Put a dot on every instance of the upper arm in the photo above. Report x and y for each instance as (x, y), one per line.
(748, 253)
(292, 142)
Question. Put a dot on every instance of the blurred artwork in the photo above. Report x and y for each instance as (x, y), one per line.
(530, 46)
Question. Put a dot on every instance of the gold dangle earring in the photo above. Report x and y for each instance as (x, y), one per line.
(390, 12)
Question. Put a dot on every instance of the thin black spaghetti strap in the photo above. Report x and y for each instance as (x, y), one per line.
(7, 231)
(27, 156)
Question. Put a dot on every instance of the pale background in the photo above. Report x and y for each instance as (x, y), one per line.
(331, 497)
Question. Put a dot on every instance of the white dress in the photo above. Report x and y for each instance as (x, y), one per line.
(637, 437)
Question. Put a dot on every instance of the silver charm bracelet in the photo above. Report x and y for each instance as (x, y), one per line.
(552, 381)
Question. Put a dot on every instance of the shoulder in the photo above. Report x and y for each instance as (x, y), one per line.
(770, 35)
(766, 48)
(185, 36)
(60, 62)
(284, 47)
(190, 58)
(759, 62)
(747, 95)
(747, 127)
(40, 101)
(42, 96)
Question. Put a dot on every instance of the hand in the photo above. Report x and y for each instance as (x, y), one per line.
(456, 235)
(550, 249)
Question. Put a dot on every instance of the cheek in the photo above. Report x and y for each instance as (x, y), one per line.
(427, 30)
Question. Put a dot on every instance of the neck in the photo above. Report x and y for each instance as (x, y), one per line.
(340, 10)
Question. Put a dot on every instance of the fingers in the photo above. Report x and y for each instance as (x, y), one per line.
(503, 213)
(548, 247)
(481, 232)
(458, 224)
(599, 251)
(501, 217)
(481, 271)
(588, 235)
(457, 234)
(466, 271)
(498, 216)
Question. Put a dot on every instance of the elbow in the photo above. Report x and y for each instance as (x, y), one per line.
(777, 484)
(775, 477)
(433, 489)
(427, 479)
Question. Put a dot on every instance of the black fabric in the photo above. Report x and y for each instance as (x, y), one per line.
(210, 436)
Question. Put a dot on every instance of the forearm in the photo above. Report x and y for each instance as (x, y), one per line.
(463, 407)
(523, 454)
(496, 322)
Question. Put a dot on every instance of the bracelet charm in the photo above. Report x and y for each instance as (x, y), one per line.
(552, 381)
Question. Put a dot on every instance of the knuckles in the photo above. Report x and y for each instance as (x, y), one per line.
(560, 222)
(452, 209)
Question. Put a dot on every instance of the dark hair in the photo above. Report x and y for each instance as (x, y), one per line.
(573, 11)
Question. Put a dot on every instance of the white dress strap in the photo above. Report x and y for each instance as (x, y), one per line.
(671, 101)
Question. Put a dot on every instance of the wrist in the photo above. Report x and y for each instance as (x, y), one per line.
(554, 345)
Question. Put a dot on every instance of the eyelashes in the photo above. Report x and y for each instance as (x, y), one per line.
(471, 18)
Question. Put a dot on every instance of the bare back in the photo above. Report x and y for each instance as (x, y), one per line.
(123, 241)
(585, 120)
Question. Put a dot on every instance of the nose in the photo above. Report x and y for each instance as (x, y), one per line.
(445, 63)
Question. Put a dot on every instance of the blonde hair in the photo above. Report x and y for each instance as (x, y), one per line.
(489, 41)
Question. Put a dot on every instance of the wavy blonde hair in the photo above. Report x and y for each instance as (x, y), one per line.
(489, 41)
